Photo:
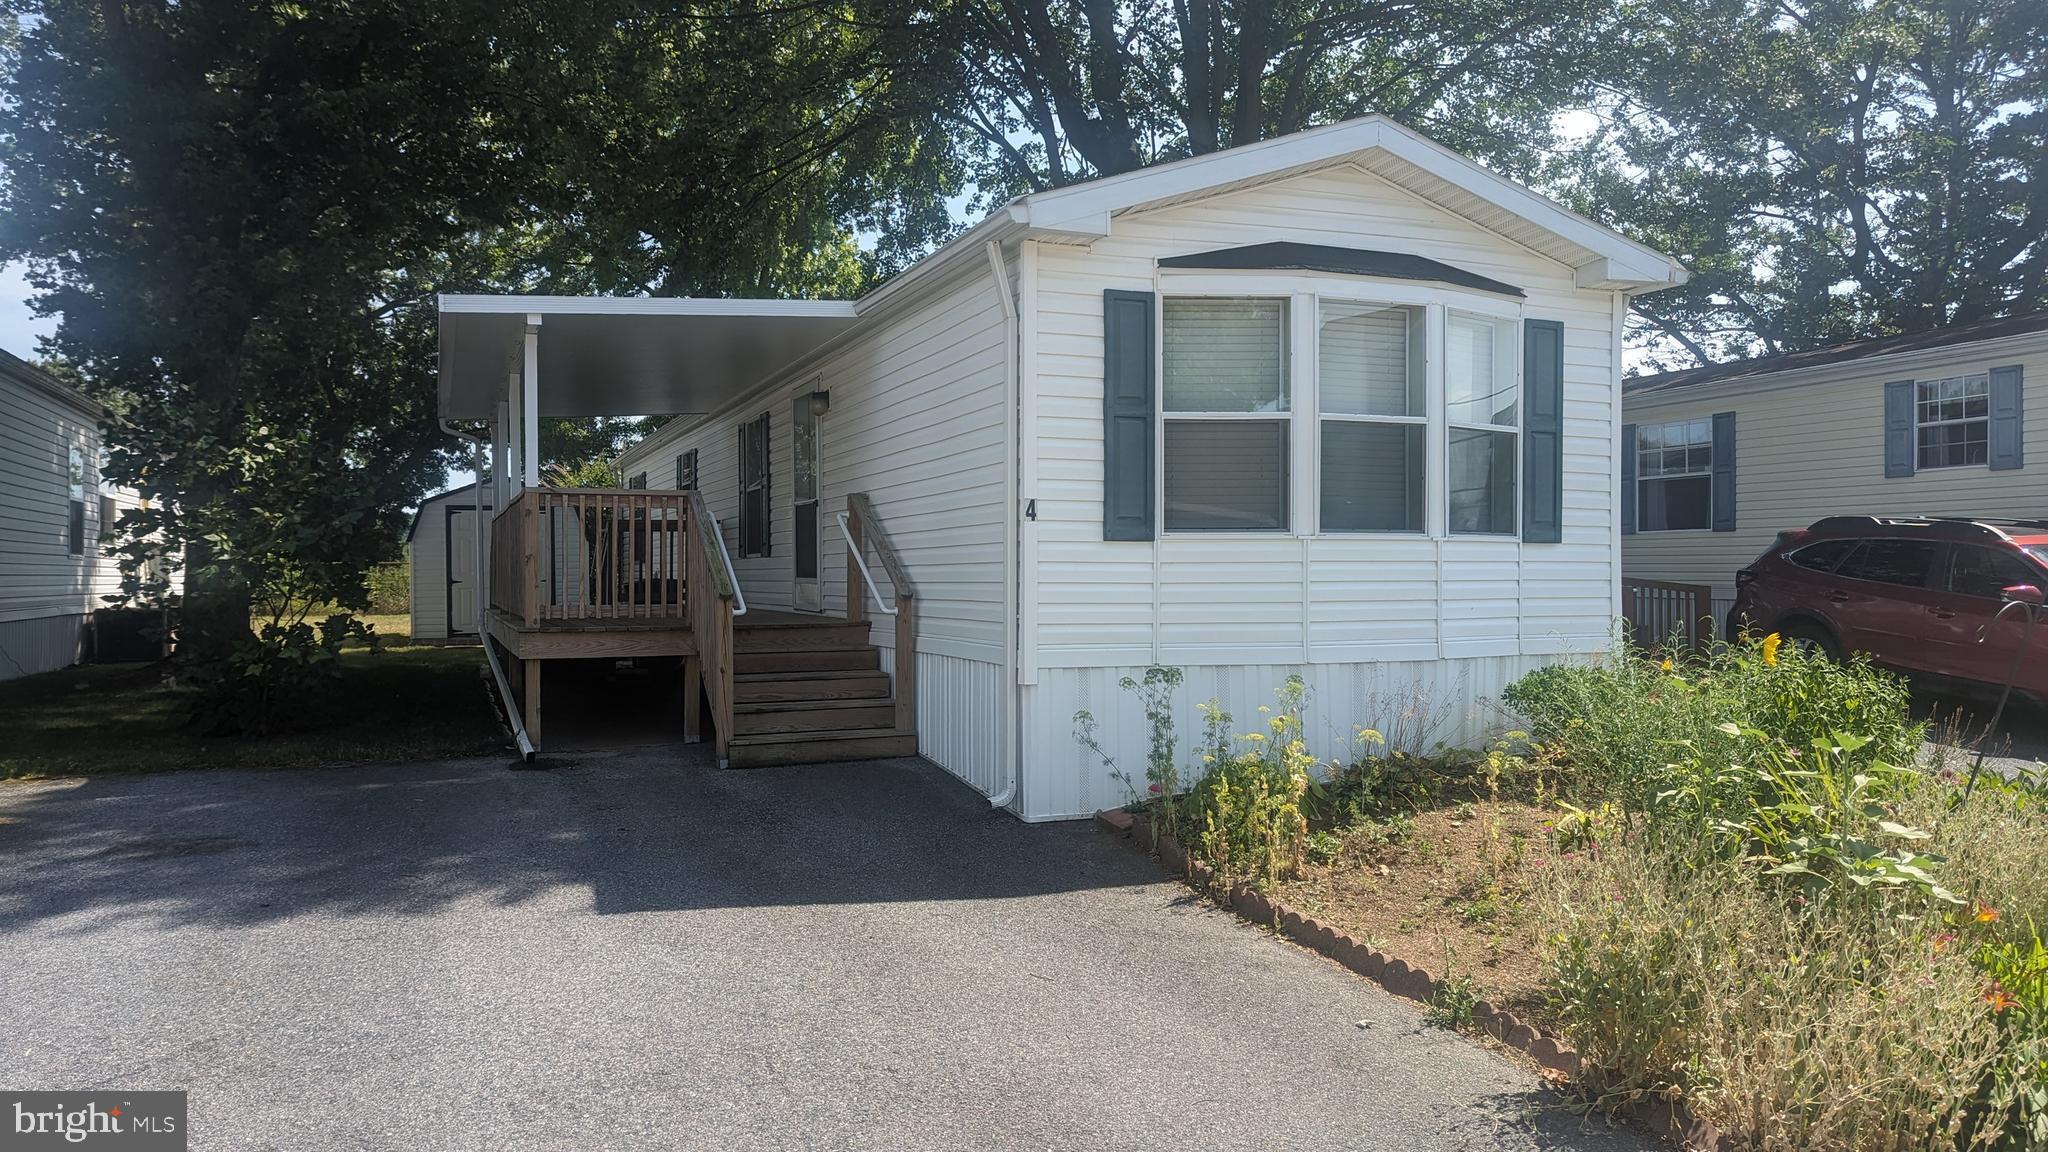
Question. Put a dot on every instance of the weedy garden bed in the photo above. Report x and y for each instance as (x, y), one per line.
(1720, 883)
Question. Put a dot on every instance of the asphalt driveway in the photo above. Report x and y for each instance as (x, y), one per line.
(637, 950)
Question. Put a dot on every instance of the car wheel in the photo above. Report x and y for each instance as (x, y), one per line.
(1812, 640)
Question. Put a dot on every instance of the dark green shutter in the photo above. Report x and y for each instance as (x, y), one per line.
(1628, 479)
(1723, 482)
(1898, 428)
(2007, 449)
(1129, 413)
(1542, 431)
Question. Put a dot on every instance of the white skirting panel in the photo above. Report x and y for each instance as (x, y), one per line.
(1413, 703)
(959, 716)
(42, 644)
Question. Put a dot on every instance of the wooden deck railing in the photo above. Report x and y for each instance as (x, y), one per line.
(710, 610)
(589, 554)
(1661, 614)
(864, 528)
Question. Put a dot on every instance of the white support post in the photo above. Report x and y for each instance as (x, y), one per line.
(501, 455)
(530, 458)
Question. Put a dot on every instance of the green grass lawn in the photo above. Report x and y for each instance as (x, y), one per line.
(404, 703)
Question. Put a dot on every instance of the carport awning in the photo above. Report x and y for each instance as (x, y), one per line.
(624, 356)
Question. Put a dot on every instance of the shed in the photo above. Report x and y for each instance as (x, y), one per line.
(441, 558)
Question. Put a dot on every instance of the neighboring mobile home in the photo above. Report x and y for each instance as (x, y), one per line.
(441, 567)
(53, 509)
(1720, 459)
(1343, 404)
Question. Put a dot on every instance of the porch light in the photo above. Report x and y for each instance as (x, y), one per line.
(821, 403)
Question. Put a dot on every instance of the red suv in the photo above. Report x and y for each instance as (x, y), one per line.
(1918, 593)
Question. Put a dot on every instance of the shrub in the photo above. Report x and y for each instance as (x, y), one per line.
(265, 681)
(390, 588)
(1246, 809)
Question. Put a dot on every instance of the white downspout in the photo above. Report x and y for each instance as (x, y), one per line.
(483, 579)
(1011, 526)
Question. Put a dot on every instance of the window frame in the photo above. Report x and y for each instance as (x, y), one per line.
(1321, 416)
(1305, 293)
(1513, 343)
(756, 540)
(1642, 479)
(1983, 380)
(690, 457)
(1287, 416)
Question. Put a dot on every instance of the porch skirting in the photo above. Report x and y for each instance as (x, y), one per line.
(41, 644)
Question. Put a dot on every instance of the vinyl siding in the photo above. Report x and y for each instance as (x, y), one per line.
(1811, 444)
(1456, 616)
(38, 575)
(917, 423)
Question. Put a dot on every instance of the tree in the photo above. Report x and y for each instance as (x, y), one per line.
(1053, 91)
(243, 211)
(1829, 169)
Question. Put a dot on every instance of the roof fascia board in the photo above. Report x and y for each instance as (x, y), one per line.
(645, 306)
(1889, 362)
(1611, 273)
(1509, 196)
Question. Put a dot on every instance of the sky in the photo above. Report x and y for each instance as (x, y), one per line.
(19, 327)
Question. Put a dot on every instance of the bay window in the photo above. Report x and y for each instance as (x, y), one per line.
(1482, 410)
(1374, 416)
(1408, 418)
(1225, 393)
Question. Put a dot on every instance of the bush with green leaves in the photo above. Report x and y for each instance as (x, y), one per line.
(266, 679)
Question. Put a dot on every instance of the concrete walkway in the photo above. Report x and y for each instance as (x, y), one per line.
(640, 951)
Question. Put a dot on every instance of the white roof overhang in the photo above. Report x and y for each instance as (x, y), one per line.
(624, 356)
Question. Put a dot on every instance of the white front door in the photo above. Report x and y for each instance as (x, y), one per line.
(809, 597)
(462, 572)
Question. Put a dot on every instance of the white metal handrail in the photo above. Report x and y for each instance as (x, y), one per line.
(739, 598)
(853, 549)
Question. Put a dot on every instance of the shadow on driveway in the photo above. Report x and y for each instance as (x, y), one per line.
(656, 831)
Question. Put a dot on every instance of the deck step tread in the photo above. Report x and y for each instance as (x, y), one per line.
(759, 706)
(819, 674)
(822, 736)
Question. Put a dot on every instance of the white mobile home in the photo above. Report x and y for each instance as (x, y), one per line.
(1721, 459)
(1341, 403)
(440, 556)
(53, 509)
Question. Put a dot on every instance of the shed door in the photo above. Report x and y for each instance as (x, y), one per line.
(461, 572)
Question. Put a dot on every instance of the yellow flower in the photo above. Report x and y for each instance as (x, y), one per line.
(1255, 735)
(1771, 644)
(1667, 664)
(1371, 736)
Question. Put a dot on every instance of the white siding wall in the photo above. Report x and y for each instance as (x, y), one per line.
(1811, 444)
(1451, 620)
(916, 422)
(40, 580)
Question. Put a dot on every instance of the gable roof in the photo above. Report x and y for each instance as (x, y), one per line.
(1973, 332)
(1602, 257)
(15, 368)
(413, 528)
(1284, 255)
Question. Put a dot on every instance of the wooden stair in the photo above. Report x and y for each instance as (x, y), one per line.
(810, 690)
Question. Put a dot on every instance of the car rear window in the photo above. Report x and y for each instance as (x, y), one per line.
(1902, 562)
(2039, 552)
(1822, 555)
(1975, 571)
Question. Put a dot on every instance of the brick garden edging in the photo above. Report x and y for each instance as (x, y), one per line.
(1396, 975)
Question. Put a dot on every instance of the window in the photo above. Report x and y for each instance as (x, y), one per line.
(686, 470)
(108, 514)
(1374, 418)
(1986, 572)
(1821, 556)
(1480, 398)
(1226, 401)
(1952, 421)
(754, 486)
(1675, 476)
(75, 527)
(1906, 563)
(638, 480)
